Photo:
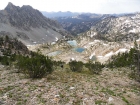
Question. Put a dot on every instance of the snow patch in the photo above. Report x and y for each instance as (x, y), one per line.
(56, 39)
(121, 50)
(92, 55)
(72, 59)
(99, 56)
(132, 47)
(53, 43)
(133, 31)
(91, 43)
(127, 21)
(109, 54)
(94, 41)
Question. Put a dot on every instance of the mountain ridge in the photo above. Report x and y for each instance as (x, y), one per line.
(114, 28)
(31, 23)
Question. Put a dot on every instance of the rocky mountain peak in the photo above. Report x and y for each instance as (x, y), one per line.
(11, 7)
(29, 25)
(26, 17)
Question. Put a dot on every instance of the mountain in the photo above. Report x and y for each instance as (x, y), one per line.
(77, 23)
(80, 23)
(126, 28)
(29, 25)
(59, 14)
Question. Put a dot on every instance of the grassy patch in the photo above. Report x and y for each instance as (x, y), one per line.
(100, 102)
(108, 91)
(125, 100)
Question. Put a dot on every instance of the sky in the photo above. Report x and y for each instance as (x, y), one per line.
(93, 6)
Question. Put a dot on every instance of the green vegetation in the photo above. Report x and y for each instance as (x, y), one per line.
(122, 60)
(76, 66)
(125, 100)
(100, 102)
(95, 68)
(128, 59)
(7, 60)
(35, 66)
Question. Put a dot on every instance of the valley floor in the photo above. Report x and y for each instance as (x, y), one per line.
(63, 87)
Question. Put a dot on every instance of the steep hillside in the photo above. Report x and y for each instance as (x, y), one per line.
(29, 25)
(126, 28)
(9, 46)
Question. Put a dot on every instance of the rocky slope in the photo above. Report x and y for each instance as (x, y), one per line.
(29, 25)
(62, 87)
(126, 28)
(9, 46)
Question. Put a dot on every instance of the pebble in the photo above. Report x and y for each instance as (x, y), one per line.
(110, 99)
(71, 88)
(56, 95)
(5, 96)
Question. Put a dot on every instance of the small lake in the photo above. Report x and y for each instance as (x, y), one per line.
(72, 42)
(54, 53)
(79, 49)
(93, 58)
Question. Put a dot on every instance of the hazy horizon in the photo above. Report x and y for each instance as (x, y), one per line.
(80, 6)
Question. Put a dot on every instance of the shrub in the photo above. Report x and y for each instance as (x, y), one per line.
(4, 60)
(36, 66)
(95, 68)
(76, 66)
(7, 60)
(123, 60)
(128, 59)
(58, 64)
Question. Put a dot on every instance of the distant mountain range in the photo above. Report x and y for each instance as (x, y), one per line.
(101, 23)
(80, 23)
(29, 25)
(59, 14)
(76, 22)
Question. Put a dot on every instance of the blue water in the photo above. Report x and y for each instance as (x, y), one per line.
(80, 50)
(72, 43)
(54, 53)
